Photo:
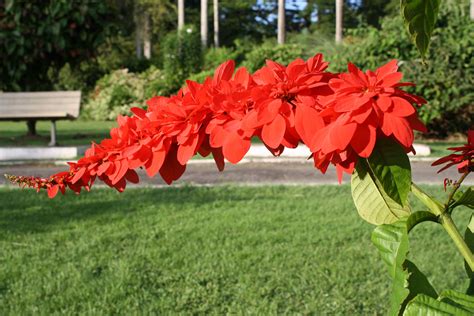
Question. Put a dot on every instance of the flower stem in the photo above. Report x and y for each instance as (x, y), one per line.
(446, 221)
(453, 232)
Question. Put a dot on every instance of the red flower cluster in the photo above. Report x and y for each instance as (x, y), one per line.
(463, 156)
(338, 116)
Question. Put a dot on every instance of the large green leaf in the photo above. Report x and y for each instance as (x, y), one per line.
(466, 199)
(391, 241)
(391, 166)
(469, 239)
(461, 300)
(420, 18)
(428, 306)
(381, 183)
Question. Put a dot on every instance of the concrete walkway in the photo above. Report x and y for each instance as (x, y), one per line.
(280, 171)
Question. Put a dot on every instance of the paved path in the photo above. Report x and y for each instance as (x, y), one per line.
(248, 172)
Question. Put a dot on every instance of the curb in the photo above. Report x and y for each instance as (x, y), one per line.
(257, 153)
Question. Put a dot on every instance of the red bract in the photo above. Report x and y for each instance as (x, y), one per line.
(279, 92)
(463, 156)
(338, 116)
(231, 101)
(363, 107)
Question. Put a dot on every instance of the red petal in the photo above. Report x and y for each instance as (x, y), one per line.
(363, 141)
(341, 135)
(384, 103)
(187, 150)
(224, 71)
(132, 176)
(53, 190)
(235, 148)
(272, 133)
(154, 164)
(307, 122)
(402, 107)
(388, 68)
(171, 169)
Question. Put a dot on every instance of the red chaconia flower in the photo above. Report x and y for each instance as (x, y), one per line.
(339, 117)
(277, 95)
(463, 156)
(363, 107)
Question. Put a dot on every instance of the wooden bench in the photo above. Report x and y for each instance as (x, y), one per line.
(34, 106)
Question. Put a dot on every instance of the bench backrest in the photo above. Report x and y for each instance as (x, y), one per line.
(54, 104)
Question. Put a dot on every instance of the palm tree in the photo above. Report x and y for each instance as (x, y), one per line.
(281, 21)
(339, 13)
(180, 14)
(216, 23)
(204, 23)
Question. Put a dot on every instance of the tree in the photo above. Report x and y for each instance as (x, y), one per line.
(35, 38)
(281, 21)
(204, 31)
(216, 23)
(339, 20)
(180, 14)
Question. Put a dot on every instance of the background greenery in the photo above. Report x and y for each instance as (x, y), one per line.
(90, 46)
(218, 250)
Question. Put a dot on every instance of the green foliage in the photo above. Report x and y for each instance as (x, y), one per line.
(182, 56)
(420, 18)
(446, 80)
(426, 305)
(283, 54)
(121, 90)
(35, 37)
(407, 280)
(380, 184)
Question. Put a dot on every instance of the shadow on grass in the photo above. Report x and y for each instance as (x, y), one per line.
(24, 211)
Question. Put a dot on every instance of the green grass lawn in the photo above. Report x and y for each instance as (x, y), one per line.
(69, 133)
(237, 250)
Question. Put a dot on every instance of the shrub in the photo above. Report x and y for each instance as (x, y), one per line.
(182, 56)
(121, 90)
(446, 80)
(284, 54)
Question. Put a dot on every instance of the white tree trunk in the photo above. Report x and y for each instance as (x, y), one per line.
(472, 10)
(216, 23)
(204, 30)
(180, 14)
(339, 19)
(281, 21)
(146, 36)
(138, 32)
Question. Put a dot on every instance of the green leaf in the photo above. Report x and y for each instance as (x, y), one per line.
(391, 166)
(392, 243)
(469, 239)
(467, 199)
(420, 18)
(372, 202)
(461, 300)
(426, 305)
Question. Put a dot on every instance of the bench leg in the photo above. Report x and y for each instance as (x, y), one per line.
(53, 134)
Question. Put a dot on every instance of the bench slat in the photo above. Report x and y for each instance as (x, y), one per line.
(54, 104)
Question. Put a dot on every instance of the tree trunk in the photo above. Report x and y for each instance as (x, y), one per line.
(339, 20)
(146, 36)
(216, 23)
(138, 31)
(180, 14)
(472, 10)
(281, 21)
(204, 30)
(31, 128)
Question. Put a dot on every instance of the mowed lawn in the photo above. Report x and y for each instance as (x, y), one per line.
(69, 133)
(238, 250)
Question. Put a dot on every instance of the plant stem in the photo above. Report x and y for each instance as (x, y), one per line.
(446, 221)
(453, 232)
(456, 186)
